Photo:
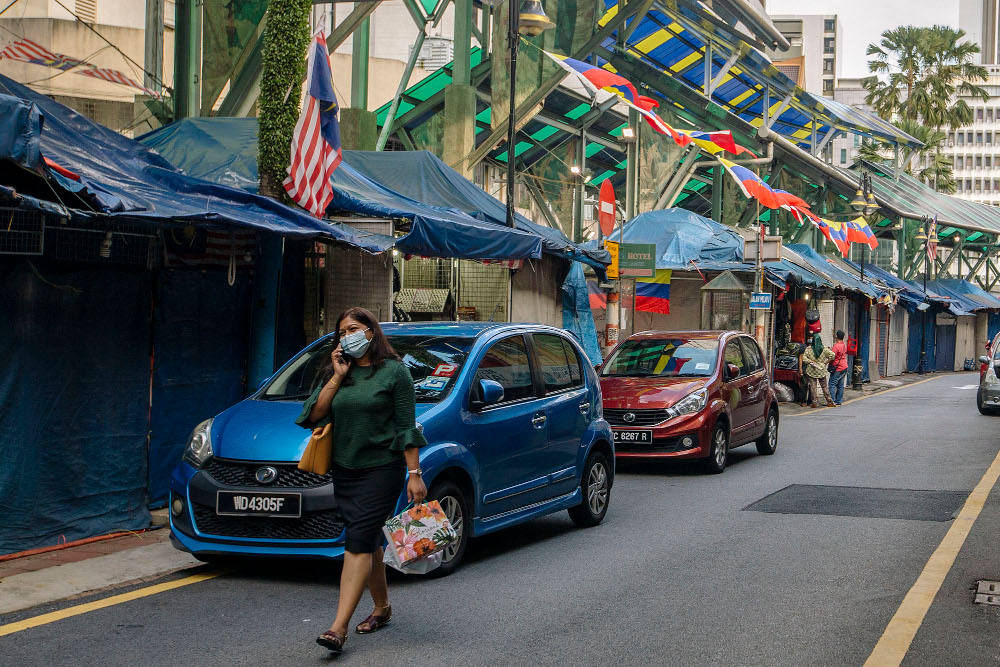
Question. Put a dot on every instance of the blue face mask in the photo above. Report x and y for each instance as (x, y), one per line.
(355, 343)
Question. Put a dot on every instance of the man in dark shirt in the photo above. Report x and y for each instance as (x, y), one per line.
(839, 365)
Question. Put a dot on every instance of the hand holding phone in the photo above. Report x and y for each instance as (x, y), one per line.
(341, 363)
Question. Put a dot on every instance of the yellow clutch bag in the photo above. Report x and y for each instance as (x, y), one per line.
(319, 451)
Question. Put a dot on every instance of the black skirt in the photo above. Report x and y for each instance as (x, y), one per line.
(366, 498)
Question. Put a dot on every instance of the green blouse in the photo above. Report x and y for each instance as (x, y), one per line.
(816, 367)
(372, 416)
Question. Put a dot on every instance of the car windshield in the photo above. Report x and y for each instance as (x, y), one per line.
(434, 362)
(663, 357)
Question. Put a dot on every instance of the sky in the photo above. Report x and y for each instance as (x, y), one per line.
(863, 21)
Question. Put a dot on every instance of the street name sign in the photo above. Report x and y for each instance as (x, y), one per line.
(760, 301)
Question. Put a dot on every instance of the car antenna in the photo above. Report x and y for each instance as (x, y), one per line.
(495, 308)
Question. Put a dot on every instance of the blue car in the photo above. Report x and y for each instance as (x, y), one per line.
(513, 420)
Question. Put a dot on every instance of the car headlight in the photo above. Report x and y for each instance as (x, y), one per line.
(199, 444)
(690, 404)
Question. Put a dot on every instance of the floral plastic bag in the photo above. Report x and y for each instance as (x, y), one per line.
(417, 533)
(420, 566)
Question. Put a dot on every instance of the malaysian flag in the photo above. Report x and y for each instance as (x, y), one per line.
(28, 51)
(316, 141)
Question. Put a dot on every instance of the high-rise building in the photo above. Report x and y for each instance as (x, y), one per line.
(845, 147)
(979, 19)
(814, 57)
(975, 149)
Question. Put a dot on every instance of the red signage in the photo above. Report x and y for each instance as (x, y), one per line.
(606, 208)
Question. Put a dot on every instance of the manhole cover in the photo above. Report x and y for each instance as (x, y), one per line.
(988, 592)
(913, 504)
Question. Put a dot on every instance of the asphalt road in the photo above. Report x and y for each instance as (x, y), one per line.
(679, 573)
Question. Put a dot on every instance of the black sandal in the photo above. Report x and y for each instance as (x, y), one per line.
(332, 641)
(374, 622)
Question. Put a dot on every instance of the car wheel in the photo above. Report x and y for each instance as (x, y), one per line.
(596, 487)
(983, 410)
(768, 442)
(719, 453)
(456, 508)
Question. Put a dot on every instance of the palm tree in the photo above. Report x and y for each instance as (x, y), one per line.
(918, 78)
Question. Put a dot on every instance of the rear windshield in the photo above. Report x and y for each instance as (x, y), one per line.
(663, 357)
(434, 362)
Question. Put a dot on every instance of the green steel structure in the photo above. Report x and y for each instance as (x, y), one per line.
(705, 68)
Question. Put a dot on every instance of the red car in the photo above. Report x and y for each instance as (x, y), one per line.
(689, 395)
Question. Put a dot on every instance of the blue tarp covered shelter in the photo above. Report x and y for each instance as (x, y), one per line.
(846, 279)
(117, 176)
(450, 216)
(960, 296)
(909, 294)
(683, 237)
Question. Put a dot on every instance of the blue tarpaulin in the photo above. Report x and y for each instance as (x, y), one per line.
(963, 298)
(577, 315)
(910, 296)
(683, 237)
(839, 275)
(74, 402)
(450, 216)
(122, 177)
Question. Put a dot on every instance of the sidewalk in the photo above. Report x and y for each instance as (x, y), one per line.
(880, 385)
(42, 578)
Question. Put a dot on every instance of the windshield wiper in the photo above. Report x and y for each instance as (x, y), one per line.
(286, 397)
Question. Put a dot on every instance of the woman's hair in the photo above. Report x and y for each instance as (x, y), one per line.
(379, 349)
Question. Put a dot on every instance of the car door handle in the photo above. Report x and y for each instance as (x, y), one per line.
(538, 420)
(584, 407)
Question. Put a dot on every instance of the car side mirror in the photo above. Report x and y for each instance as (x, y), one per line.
(490, 392)
(984, 359)
(732, 371)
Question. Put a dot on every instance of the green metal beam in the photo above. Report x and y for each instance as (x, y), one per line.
(462, 64)
(359, 65)
(187, 59)
(536, 97)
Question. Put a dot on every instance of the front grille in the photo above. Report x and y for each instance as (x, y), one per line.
(659, 446)
(616, 417)
(321, 525)
(241, 473)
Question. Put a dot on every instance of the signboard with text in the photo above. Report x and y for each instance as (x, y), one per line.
(760, 301)
(637, 260)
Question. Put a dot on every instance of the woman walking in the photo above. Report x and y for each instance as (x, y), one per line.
(368, 398)
(816, 359)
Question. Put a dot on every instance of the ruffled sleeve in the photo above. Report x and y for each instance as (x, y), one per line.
(404, 419)
(304, 420)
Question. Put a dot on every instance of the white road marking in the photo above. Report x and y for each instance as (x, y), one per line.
(967, 386)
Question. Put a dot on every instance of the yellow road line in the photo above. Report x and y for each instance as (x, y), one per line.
(813, 411)
(54, 616)
(895, 641)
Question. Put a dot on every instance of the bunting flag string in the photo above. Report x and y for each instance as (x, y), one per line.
(754, 187)
(28, 51)
(598, 80)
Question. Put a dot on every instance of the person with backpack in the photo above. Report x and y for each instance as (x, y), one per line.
(815, 361)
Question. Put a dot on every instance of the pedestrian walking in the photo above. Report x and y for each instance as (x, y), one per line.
(367, 395)
(839, 369)
(815, 360)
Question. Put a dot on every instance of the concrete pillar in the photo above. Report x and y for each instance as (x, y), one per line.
(358, 130)
(459, 127)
